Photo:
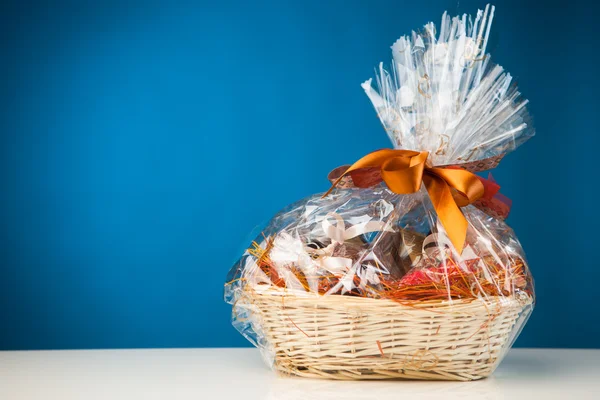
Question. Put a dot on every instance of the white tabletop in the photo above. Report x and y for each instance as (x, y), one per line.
(239, 374)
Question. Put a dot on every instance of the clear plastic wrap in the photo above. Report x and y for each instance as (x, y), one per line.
(367, 283)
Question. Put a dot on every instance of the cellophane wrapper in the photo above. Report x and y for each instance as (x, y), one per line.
(442, 94)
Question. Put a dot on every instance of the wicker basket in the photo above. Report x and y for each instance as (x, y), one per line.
(344, 337)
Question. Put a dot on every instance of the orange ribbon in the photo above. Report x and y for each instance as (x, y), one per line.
(403, 171)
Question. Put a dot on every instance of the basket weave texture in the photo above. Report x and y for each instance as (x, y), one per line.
(345, 337)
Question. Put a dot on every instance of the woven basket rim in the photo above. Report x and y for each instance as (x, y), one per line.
(284, 293)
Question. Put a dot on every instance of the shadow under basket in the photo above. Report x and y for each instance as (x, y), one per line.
(345, 337)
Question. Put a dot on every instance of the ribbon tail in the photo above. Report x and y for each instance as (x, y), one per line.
(449, 214)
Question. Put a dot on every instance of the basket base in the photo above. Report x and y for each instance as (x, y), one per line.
(396, 370)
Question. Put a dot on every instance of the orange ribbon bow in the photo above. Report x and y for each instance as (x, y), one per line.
(449, 188)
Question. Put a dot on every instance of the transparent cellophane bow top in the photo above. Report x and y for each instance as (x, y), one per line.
(364, 283)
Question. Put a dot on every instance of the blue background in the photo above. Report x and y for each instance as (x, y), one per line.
(140, 144)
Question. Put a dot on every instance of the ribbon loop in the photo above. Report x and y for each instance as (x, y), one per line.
(449, 188)
(404, 175)
(467, 184)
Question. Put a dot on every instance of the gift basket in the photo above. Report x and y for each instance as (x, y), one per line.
(405, 268)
